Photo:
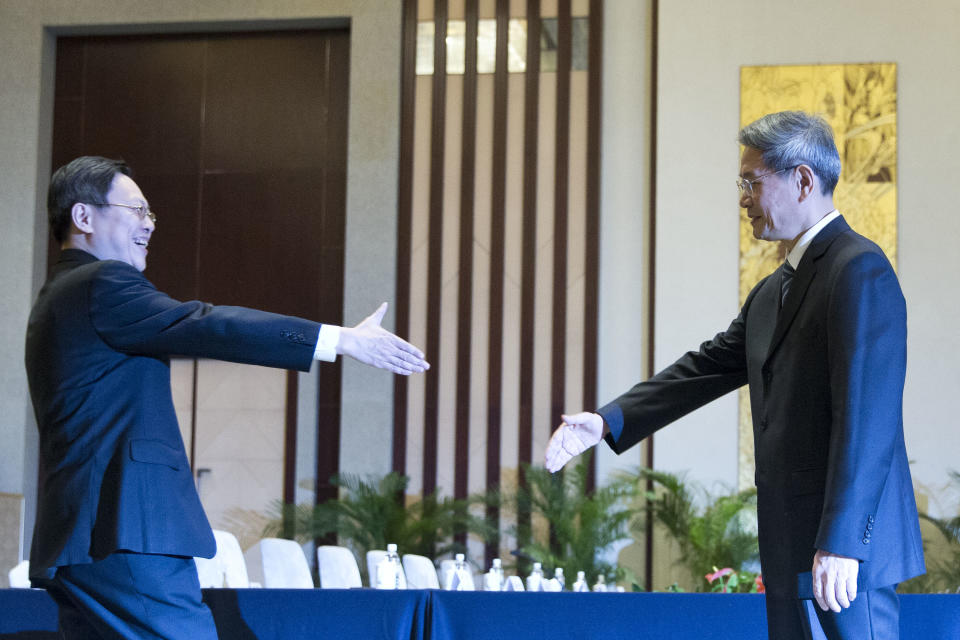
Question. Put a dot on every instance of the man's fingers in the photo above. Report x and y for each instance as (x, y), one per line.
(557, 454)
(841, 598)
(377, 316)
(851, 589)
(830, 594)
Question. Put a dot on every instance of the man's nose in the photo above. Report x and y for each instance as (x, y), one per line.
(745, 199)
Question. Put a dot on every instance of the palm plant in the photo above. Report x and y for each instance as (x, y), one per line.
(582, 524)
(943, 569)
(716, 535)
(371, 512)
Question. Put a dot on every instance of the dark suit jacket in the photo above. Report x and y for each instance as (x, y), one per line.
(826, 377)
(113, 471)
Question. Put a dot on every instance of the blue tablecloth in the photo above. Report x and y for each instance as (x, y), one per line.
(290, 614)
(532, 616)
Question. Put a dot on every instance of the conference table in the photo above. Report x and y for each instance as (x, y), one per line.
(291, 614)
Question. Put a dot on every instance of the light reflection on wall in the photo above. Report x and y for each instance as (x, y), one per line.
(487, 45)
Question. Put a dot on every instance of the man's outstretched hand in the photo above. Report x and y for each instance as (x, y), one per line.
(371, 344)
(576, 434)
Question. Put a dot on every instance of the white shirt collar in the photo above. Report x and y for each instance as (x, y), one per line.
(796, 254)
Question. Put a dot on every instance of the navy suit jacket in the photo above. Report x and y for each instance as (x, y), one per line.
(826, 376)
(114, 474)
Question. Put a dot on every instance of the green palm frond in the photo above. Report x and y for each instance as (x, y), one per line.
(583, 524)
(372, 511)
(718, 534)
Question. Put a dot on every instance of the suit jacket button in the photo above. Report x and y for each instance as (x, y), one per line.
(865, 541)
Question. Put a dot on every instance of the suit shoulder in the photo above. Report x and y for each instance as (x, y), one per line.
(851, 247)
(115, 274)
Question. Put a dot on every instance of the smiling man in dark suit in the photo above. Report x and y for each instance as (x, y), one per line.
(118, 516)
(822, 344)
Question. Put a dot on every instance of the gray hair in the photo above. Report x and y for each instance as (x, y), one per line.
(790, 138)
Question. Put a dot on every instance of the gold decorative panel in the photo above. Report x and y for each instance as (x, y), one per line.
(860, 103)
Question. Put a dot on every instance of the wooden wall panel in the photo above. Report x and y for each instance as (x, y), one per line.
(502, 243)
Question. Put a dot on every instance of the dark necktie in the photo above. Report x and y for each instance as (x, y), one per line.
(786, 275)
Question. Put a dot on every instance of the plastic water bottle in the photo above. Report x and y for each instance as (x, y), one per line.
(580, 584)
(601, 584)
(394, 559)
(386, 572)
(495, 581)
(558, 575)
(535, 579)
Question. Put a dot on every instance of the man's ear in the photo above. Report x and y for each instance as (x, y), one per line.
(806, 181)
(81, 214)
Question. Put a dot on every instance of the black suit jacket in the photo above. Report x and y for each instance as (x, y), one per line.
(113, 470)
(826, 376)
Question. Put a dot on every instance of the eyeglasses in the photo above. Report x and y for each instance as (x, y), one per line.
(745, 185)
(141, 211)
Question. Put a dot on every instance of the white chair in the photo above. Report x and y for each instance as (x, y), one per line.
(338, 568)
(276, 563)
(374, 556)
(19, 576)
(420, 572)
(226, 568)
(448, 566)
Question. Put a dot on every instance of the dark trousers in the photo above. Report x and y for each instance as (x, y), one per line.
(874, 615)
(132, 596)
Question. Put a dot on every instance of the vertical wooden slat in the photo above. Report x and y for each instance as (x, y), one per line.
(193, 417)
(592, 262)
(497, 258)
(558, 369)
(290, 440)
(290, 453)
(528, 268)
(330, 375)
(435, 259)
(404, 223)
(529, 243)
(465, 289)
(652, 258)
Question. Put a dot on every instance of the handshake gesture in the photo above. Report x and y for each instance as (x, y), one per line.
(576, 434)
(371, 344)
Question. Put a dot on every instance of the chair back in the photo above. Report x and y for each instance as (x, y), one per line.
(448, 567)
(19, 576)
(338, 568)
(278, 564)
(226, 568)
(420, 572)
(374, 556)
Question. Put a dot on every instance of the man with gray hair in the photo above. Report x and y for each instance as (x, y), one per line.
(821, 342)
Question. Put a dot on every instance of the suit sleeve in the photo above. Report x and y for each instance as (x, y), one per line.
(866, 336)
(131, 316)
(698, 377)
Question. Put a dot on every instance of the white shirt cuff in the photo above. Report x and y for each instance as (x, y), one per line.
(327, 343)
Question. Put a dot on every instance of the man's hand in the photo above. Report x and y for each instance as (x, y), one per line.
(576, 434)
(834, 580)
(371, 344)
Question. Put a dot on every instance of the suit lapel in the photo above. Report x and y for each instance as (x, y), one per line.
(805, 274)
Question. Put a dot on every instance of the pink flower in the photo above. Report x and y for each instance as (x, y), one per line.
(718, 574)
(759, 582)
